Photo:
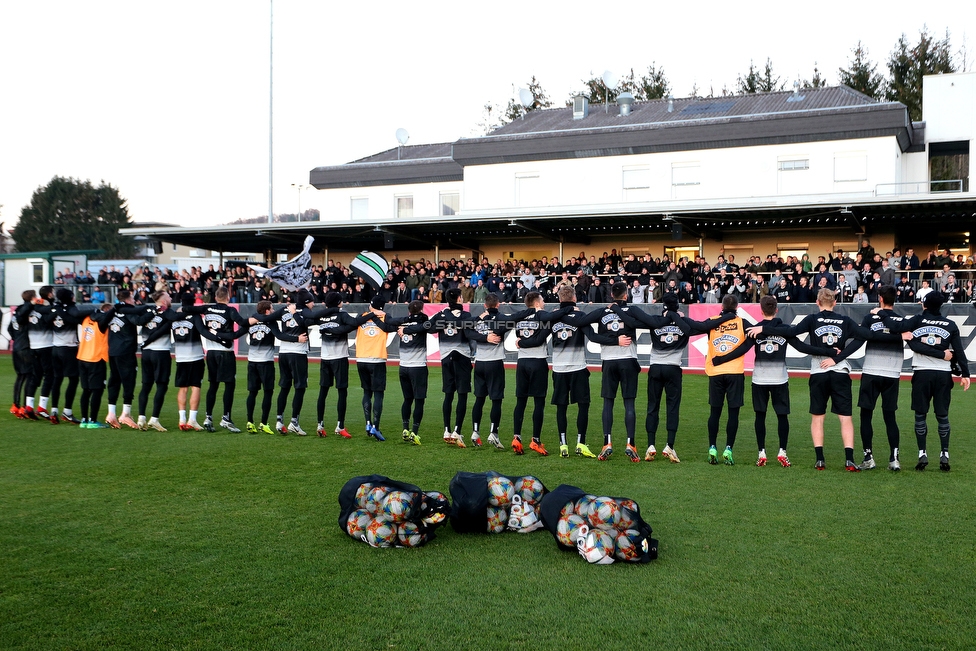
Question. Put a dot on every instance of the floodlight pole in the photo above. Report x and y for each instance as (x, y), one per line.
(271, 116)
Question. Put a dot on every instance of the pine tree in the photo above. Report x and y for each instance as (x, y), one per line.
(907, 65)
(861, 74)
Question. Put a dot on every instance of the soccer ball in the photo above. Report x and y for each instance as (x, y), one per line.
(596, 546)
(435, 508)
(411, 534)
(374, 500)
(583, 506)
(500, 491)
(381, 533)
(497, 519)
(567, 529)
(362, 493)
(531, 489)
(628, 515)
(604, 513)
(357, 522)
(631, 545)
(568, 509)
(397, 506)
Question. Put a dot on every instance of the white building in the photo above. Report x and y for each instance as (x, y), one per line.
(801, 171)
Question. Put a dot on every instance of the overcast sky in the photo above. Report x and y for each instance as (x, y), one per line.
(168, 102)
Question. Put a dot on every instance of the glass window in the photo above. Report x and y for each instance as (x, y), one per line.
(37, 272)
(404, 206)
(685, 174)
(636, 178)
(794, 165)
(359, 208)
(450, 203)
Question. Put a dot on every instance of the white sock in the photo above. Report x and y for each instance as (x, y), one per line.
(68, 413)
(127, 410)
(30, 402)
(762, 452)
(54, 411)
(43, 402)
(921, 453)
(476, 428)
(193, 415)
(782, 452)
(111, 411)
(182, 415)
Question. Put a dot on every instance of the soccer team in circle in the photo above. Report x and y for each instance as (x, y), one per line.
(57, 343)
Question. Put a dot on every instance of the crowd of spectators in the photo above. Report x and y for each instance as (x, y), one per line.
(855, 278)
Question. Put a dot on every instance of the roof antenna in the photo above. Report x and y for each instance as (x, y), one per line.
(402, 137)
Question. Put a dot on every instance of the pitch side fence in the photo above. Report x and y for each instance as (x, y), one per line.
(963, 314)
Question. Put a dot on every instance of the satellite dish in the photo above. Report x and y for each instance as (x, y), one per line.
(402, 136)
(526, 97)
(609, 79)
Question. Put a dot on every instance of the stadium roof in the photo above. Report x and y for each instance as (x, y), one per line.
(579, 224)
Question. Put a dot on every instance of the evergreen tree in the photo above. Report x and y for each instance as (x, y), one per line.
(908, 64)
(862, 74)
(68, 214)
(540, 100)
(652, 85)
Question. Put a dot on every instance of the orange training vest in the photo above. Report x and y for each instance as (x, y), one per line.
(723, 339)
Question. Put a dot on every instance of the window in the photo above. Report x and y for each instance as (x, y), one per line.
(528, 190)
(685, 180)
(850, 167)
(790, 177)
(174, 247)
(404, 206)
(794, 165)
(37, 273)
(949, 166)
(359, 208)
(450, 203)
(637, 183)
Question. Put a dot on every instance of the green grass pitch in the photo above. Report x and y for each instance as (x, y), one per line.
(147, 540)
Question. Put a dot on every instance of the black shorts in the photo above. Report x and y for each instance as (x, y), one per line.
(931, 386)
(835, 386)
(43, 362)
(123, 369)
(372, 375)
(413, 382)
(489, 379)
(873, 386)
(456, 373)
(294, 370)
(189, 374)
(571, 388)
(260, 375)
(24, 362)
(221, 366)
(66, 361)
(780, 394)
(156, 366)
(622, 373)
(91, 375)
(531, 378)
(731, 387)
(334, 371)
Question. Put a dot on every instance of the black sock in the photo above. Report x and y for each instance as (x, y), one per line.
(761, 430)
(943, 423)
(582, 421)
(849, 455)
(783, 429)
(921, 430)
(519, 415)
(342, 399)
(894, 435)
(732, 427)
(630, 419)
(418, 414)
(713, 415)
(607, 420)
(818, 450)
(867, 429)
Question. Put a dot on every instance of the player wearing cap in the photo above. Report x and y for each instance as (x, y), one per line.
(937, 347)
